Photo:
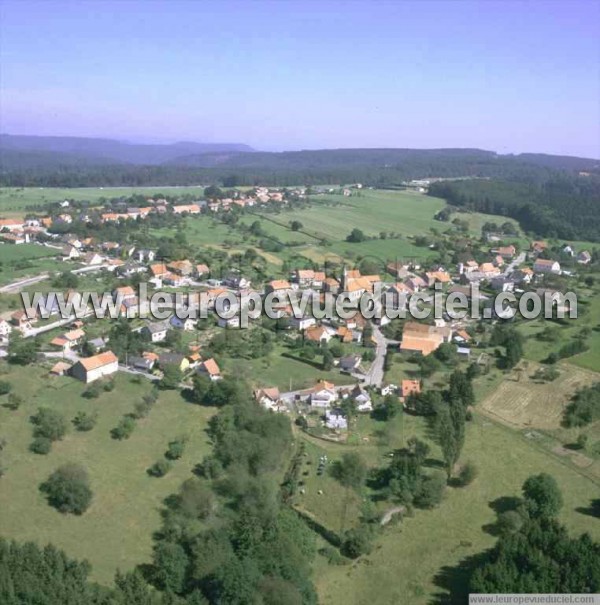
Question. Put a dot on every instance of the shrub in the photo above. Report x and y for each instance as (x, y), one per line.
(84, 421)
(41, 445)
(92, 391)
(160, 468)
(509, 522)
(5, 387)
(14, 401)
(109, 386)
(175, 449)
(124, 429)
(468, 474)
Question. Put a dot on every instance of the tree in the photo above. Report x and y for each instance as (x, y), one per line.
(509, 522)
(171, 376)
(357, 542)
(327, 360)
(49, 424)
(41, 445)
(5, 387)
(68, 489)
(350, 471)
(296, 225)
(543, 497)
(356, 236)
(430, 491)
(195, 498)
(22, 351)
(390, 407)
(176, 449)
(170, 565)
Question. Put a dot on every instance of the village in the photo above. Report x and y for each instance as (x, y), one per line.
(356, 348)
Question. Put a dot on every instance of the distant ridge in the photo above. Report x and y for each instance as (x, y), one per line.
(111, 151)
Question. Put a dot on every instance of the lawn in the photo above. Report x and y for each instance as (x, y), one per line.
(286, 373)
(407, 558)
(116, 531)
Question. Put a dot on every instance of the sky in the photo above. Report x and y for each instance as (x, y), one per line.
(509, 76)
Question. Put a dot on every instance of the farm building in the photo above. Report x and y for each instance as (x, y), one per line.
(98, 366)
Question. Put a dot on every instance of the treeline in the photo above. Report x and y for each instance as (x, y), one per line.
(563, 206)
(374, 167)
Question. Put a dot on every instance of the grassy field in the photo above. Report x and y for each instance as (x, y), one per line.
(116, 531)
(17, 199)
(408, 557)
(10, 253)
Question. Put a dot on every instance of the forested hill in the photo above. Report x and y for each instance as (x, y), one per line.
(564, 206)
(76, 166)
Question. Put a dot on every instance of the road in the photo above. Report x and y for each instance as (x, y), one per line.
(16, 286)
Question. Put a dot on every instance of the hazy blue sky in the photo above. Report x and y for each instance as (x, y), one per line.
(510, 76)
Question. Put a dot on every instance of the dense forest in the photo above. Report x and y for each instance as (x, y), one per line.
(374, 167)
(563, 206)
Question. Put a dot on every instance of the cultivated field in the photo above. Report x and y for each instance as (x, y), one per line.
(116, 531)
(527, 403)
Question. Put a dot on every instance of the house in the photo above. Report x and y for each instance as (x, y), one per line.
(433, 277)
(318, 334)
(181, 267)
(397, 296)
(22, 320)
(318, 279)
(93, 368)
(186, 323)
(538, 246)
(409, 387)
(268, 397)
(188, 209)
(501, 283)
(60, 369)
(278, 285)
(144, 364)
(5, 330)
(522, 276)
(416, 283)
(210, 368)
(349, 363)
(202, 271)
(236, 281)
(92, 259)
(172, 279)
(331, 284)
(489, 270)
(506, 252)
(322, 395)
(344, 334)
(176, 359)
(301, 323)
(97, 344)
(69, 252)
(423, 338)
(145, 256)
(16, 238)
(155, 332)
(362, 399)
(304, 277)
(11, 224)
(542, 265)
(123, 293)
(584, 257)
(335, 419)
(69, 340)
(159, 270)
(398, 270)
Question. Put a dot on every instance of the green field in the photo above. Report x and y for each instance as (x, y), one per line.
(408, 557)
(10, 252)
(116, 531)
(17, 199)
